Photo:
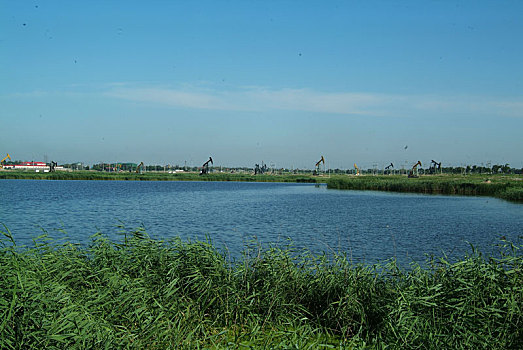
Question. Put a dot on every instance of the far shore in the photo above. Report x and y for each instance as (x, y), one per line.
(508, 187)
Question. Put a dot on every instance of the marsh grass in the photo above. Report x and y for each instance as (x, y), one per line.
(147, 293)
(155, 176)
(500, 186)
(505, 187)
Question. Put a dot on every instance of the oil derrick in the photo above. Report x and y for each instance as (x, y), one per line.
(205, 166)
(260, 170)
(414, 171)
(435, 167)
(317, 167)
(388, 167)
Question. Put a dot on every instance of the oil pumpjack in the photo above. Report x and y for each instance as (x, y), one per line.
(260, 170)
(140, 167)
(205, 166)
(317, 169)
(414, 169)
(433, 165)
(389, 166)
(2, 161)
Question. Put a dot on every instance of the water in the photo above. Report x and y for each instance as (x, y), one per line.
(367, 226)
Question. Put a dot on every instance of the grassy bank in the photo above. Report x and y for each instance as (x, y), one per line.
(145, 293)
(505, 187)
(154, 176)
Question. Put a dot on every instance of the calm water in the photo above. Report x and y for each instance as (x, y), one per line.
(368, 226)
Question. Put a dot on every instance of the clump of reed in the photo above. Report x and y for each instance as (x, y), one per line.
(156, 176)
(147, 293)
(508, 188)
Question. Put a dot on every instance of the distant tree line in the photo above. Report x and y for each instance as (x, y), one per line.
(469, 169)
(130, 167)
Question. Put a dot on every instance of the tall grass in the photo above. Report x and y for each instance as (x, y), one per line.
(505, 187)
(155, 176)
(509, 188)
(146, 293)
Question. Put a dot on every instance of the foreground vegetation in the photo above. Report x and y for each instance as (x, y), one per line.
(145, 293)
(500, 186)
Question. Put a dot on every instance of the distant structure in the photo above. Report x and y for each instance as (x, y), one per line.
(139, 168)
(388, 167)
(434, 167)
(2, 161)
(205, 166)
(260, 170)
(414, 171)
(317, 168)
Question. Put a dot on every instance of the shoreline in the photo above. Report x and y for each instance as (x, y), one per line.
(505, 187)
(509, 188)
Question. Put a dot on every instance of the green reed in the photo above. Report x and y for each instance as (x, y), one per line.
(501, 186)
(505, 187)
(147, 293)
(157, 176)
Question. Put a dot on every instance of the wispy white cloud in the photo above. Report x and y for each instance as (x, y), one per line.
(261, 99)
(175, 98)
(307, 100)
(256, 99)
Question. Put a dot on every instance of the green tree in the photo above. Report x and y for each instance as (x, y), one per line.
(505, 169)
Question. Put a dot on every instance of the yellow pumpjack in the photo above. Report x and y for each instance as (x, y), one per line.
(2, 161)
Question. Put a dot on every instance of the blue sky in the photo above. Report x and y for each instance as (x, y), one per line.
(284, 82)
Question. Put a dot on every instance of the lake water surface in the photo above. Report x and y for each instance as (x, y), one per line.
(367, 226)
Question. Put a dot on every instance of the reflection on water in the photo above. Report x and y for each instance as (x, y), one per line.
(367, 226)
